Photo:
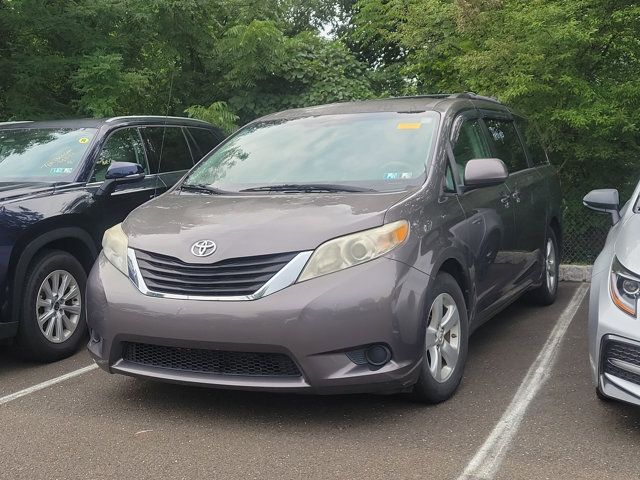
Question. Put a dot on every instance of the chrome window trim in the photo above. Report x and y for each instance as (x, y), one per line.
(286, 277)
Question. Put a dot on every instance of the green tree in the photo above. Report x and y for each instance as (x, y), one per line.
(215, 58)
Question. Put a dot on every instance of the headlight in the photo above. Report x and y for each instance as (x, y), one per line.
(350, 250)
(115, 244)
(624, 288)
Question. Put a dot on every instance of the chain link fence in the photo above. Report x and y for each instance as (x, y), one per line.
(584, 233)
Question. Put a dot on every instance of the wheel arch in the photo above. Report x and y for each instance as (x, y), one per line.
(454, 266)
(71, 239)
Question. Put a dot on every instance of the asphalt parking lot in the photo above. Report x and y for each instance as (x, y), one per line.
(96, 425)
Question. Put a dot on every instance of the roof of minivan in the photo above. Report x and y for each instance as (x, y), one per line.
(422, 103)
(99, 122)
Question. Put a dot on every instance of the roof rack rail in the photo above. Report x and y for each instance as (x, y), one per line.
(159, 117)
(426, 95)
(474, 96)
(16, 121)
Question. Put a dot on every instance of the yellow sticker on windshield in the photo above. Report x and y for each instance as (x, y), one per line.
(84, 140)
(409, 126)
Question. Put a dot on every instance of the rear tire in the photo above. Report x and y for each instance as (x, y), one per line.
(52, 317)
(547, 293)
(446, 336)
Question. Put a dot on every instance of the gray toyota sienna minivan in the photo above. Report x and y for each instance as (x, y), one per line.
(342, 248)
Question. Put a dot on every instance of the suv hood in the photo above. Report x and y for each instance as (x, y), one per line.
(251, 225)
(627, 248)
(16, 190)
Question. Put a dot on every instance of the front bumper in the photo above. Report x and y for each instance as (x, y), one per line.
(315, 323)
(609, 325)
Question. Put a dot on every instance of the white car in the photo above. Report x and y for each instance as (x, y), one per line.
(614, 323)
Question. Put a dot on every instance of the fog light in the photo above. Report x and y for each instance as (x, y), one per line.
(377, 355)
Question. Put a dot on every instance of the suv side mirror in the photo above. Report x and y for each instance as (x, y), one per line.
(605, 200)
(484, 172)
(120, 173)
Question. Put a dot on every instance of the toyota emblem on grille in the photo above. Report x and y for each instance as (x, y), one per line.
(203, 248)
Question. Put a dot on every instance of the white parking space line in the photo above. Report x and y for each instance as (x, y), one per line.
(487, 460)
(48, 383)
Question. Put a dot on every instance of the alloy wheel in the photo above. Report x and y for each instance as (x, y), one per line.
(442, 342)
(550, 266)
(58, 306)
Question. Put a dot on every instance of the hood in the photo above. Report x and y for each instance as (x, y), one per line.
(252, 224)
(16, 190)
(627, 248)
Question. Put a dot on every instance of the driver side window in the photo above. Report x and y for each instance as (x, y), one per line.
(122, 146)
(470, 144)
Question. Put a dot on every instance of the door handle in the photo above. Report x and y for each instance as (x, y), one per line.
(505, 199)
(516, 196)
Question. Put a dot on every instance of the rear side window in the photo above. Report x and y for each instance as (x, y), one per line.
(168, 149)
(204, 140)
(532, 142)
(123, 145)
(506, 143)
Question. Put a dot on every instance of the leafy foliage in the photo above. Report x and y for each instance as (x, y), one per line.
(243, 58)
(217, 113)
(571, 65)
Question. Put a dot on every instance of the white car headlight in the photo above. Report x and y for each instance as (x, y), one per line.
(115, 245)
(624, 288)
(354, 249)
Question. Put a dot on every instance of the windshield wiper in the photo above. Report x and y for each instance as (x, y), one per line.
(202, 188)
(311, 187)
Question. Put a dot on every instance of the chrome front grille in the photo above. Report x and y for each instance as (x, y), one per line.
(234, 277)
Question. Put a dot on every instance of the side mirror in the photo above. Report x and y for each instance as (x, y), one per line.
(605, 200)
(120, 173)
(483, 172)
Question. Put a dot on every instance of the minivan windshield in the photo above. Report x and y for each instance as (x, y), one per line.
(348, 152)
(42, 154)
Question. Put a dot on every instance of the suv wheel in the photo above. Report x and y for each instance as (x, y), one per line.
(546, 293)
(446, 341)
(52, 320)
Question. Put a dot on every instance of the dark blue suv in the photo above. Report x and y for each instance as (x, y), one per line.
(62, 184)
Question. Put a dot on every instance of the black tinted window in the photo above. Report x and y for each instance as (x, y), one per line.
(204, 139)
(505, 140)
(122, 146)
(168, 149)
(449, 183)
(531, 138)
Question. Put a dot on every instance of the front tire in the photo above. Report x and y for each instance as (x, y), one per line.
(52, 318)
(446, 335)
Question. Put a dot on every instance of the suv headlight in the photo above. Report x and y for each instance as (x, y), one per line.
(624, 288)
(354, 249)
(115, 245)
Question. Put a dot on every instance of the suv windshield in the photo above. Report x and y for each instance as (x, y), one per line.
(379, 151)
(42, 154)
